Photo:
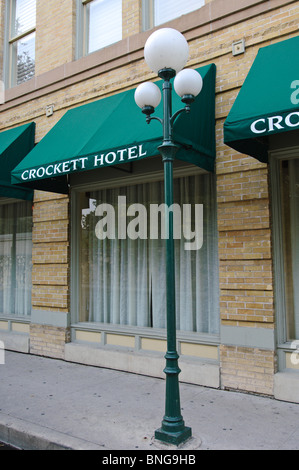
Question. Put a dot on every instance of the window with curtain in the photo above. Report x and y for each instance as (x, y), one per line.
(156, 12)
(22, 41)
(102, 24)
(122, 280)
(15, 257)
(289, 174)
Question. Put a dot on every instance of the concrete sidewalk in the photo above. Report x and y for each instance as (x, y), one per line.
(52, 404)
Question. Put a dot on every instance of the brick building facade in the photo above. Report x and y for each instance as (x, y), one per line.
(247, 349)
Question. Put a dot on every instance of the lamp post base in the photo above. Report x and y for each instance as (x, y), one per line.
(175, 438)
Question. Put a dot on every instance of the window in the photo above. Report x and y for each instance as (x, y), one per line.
(122, 277)
(289, 179)
(15, 257)
(156, 12)
(101, 24)
(22, 19)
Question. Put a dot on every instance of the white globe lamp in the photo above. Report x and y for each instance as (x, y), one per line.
(188, 82)
(147, 94)
(166, 48)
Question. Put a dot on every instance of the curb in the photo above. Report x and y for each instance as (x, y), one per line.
(25, 435)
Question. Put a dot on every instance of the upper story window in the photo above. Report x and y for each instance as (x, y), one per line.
(100, 25)
(22, 21)
(156, 12)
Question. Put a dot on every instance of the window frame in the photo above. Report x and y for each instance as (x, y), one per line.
(10, 40)
(95, 184)
(82, 30)
(284, 345)
(148, 15)
(12, 315)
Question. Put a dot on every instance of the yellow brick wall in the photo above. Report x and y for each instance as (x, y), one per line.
(50, 270)
(244, 224)
(55, 34)
(131, 17)
(48, 341)
(243, 307)
(248, 369)
(56, 25)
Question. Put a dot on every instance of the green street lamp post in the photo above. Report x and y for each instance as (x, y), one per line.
(166, 52)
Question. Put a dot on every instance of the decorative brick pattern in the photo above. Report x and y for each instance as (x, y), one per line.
(247, 369)
(55, 26)
(253, 244)
(247, 307)
(132, 17)
(48, 341)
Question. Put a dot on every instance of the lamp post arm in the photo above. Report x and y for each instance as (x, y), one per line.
(187, 99)
(186, 109)
(151, 118)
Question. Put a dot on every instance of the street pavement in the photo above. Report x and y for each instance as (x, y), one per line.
(49, 404)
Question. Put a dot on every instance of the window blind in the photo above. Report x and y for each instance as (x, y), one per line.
(23, 17)
(166, 10)
(104, 23)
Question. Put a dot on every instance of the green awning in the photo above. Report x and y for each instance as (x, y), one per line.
(268, 102)
(14, 146)
(113, 130)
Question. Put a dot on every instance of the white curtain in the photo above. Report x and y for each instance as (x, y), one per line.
(294, 222)
(15, 258)
(123, 280)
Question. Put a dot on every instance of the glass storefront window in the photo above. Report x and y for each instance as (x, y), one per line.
(122, 258)
(289, 172)
(15, 257)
